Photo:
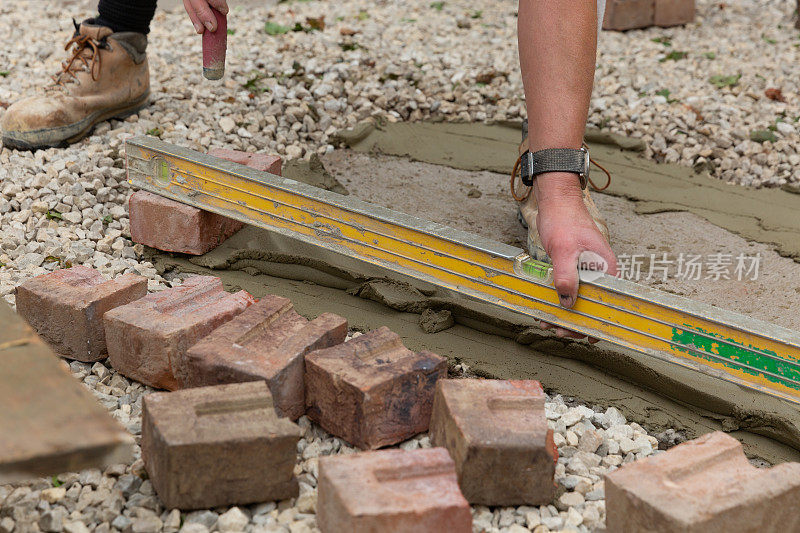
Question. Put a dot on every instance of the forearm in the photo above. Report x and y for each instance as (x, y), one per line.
(557, 47)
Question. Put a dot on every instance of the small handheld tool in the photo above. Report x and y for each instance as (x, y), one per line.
(215, 45)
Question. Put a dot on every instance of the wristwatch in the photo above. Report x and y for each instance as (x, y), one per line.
(555, 160)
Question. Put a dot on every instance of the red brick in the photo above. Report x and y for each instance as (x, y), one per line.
(391, 490)
(269, 342)
(171, 226)
(372, 391)
(706, 485)
(214, 446)
(492, 426)
(147, 337)
(629, 14)
(66, 308)
(673, 12)
(262, 162)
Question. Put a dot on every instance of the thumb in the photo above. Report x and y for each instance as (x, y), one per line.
(565, 275)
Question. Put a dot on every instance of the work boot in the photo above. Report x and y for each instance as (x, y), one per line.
(529, 210)
(105, 76)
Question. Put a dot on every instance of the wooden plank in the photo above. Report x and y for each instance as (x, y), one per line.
(49, 422)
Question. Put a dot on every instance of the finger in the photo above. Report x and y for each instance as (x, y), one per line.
(198, 26)
(204, 14)
(565, 274)
(219, 5)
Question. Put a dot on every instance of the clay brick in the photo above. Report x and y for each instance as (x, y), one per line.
(391, 490)
(673, 12)
(262, 162)
(267, 342)
(372, 391)
(171, 226)
(223, 445)
(706, 485)
(66, 308)
(147, 337)
(629, 14)
(492, 426)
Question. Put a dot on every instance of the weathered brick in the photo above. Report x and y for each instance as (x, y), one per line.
(391, 490)
(221, 445)
(673, 12)
(171, 226)
(706, 485)
(629, 14)
(66, 308)
(269, 342)
(262, 162)
(372, 391)
(147, 337)
(492, 426)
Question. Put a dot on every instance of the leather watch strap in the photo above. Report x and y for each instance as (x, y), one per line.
(555, 160)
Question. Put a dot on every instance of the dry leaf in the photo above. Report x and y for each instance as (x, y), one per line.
(347, 32)
(316, 23)
(487, 77)
(775, 94)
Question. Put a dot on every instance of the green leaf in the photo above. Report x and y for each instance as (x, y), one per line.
(710, 55)
(476, 14)
(56, 482)
(4, 73)
(53, 214)
(108, 219)
(768, 40)
(725, 81)
(231, 32)
(674, 56)
(362, 15)
(761, 136)
(155, 132)
(407, 20)
(437, 5)
(665, 93)
(662, 40)
(273, 28)
(350, 46)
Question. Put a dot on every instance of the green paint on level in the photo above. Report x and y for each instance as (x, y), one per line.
(538, 269)
(737, 354)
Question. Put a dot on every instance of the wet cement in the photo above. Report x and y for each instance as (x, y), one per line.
(762, 215)
(497, 342)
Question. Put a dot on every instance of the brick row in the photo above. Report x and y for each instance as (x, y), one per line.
(706, 485)
(221, 445)
(148, 337)
(266, 342)
(372, 391)
(66, 308)
(391, 490)
(632, 14)
(492, 427)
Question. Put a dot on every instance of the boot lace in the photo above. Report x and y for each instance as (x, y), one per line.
(85, 54)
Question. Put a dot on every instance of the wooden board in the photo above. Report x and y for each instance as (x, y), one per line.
(49, 422)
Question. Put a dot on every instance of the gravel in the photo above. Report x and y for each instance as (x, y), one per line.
(287, 94)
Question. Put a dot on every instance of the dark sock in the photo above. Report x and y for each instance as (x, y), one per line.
(125, 15)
